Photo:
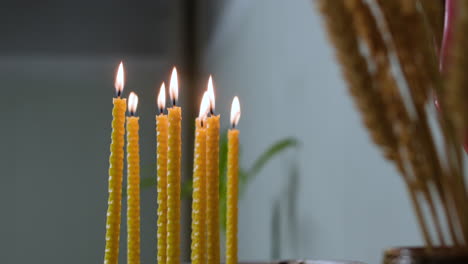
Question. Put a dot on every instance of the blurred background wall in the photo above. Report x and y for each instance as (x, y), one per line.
(336, 197)
(333, 197)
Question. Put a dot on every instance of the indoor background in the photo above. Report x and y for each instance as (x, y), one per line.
(331, 197)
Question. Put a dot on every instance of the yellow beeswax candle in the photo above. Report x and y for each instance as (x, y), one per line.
(133, 183)
(161, 165)
(232, 185)
(212, 181)
(199, 188)
(111, 254)
(173, 175)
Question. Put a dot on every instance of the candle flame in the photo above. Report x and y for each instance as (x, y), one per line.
(235, 111)
(174, 86)
(119, 80)
(162, 97)
(132, 103)
(211, 95)
(204, 106)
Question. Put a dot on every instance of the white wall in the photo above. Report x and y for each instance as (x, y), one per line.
(346, 201)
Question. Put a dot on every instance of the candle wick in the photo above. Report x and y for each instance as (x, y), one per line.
(161, 110)
(118, 93)
(174, 102)
(211, 111)
(132, 113)
(233, 125)
(201, 122)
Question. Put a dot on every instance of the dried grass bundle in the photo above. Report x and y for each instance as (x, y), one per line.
(434, 12)
(457, 89)
(404, 34)
(358, 76)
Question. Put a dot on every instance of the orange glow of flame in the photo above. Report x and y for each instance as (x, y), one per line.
(235, 111)
(211, 95)
(119, 80)
(162, 97)
(132, 103)
(174, 86)
(204, 106)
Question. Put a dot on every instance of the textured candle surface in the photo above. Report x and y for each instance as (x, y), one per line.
(133, 191)
(161, 165)
(173, 185)
(199, 197)
(232, 196)
(212, 186)
(115, 182)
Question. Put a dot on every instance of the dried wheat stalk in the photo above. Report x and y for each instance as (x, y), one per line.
(409, 48)
(457, 89)
(413, 46)
(367, 29)
(363, 87)
(455, 97)
(434, 15)
(356, 72)
(401, 128)
(402, 124)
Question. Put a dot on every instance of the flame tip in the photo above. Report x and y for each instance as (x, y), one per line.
(174, 86)
(211, 95)
(119, 79)
(132, 103)
(235, 111)
(162, 97)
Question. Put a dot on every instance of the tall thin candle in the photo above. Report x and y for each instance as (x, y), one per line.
(133, 183)
(232, 184)
(161, 165)
(199, 187)
(212, 178)
(173, 174)
(111, 254)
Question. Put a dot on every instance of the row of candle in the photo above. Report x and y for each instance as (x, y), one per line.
(205, 204)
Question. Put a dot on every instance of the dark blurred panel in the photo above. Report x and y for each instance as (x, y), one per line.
(87, 26)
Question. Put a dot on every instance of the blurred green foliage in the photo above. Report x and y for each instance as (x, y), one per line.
(245, 174)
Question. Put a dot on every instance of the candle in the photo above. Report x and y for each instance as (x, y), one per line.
(173, 174)
(133, 183)
(212, 180)
(111, 255)
(232, 184)
(161, 165)
(199, 187)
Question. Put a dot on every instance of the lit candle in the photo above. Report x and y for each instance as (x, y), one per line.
(199, 187)
(133, 183)
(232, 184)
(173, 174)
(212, 179)
(111, 255)
(161, 165)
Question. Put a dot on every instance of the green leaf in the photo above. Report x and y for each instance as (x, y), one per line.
(270, 153)
(187, 188)
(148, 182)
(223, 152)
(245, 175)
(243, 180)
(222, 211)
